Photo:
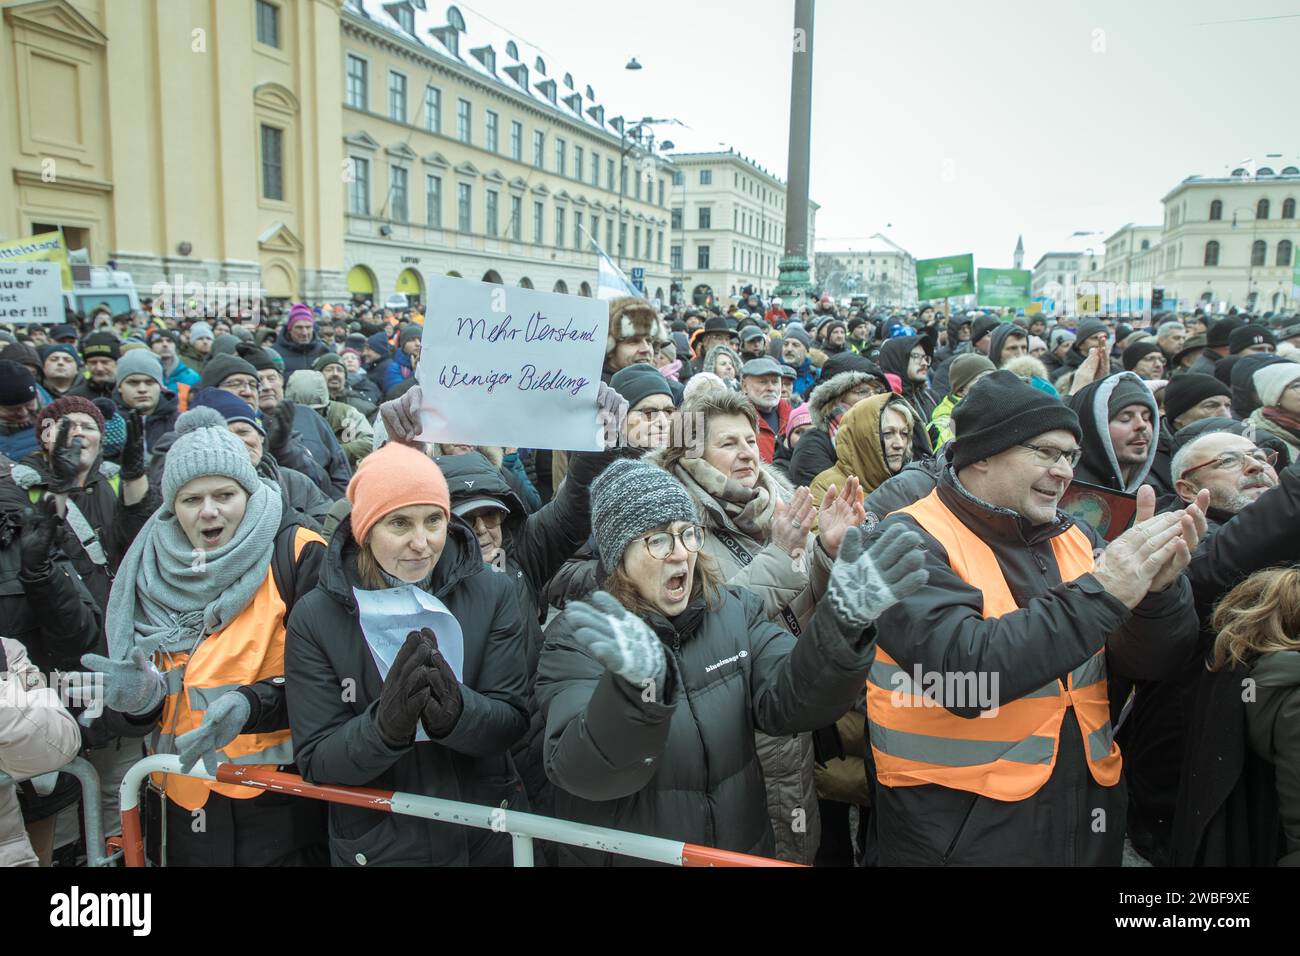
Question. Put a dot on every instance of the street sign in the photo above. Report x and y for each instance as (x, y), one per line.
(638, 278)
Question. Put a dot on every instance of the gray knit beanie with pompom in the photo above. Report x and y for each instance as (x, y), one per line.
(204, 446)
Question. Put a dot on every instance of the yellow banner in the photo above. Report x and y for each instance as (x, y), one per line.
(47, 247)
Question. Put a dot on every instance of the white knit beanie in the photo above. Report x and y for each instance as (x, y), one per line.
(1271, 380)
(204, 446)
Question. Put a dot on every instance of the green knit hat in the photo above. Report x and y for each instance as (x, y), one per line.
(204, 446)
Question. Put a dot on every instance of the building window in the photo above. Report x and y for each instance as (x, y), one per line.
(1212, 253)
(1284, 252)
(464, 209)
(559, 227)
(490, 227)
(272, 163)
(609, 175)
(433, 109)
(396, 97)
(701, 257)
(1258, 251)
(268, 24)
(706, 217)
(516, 140)
(358, 91)
(577, 230)
(636, 242)
(561, 155)
(622, 239)
(675, 258)
(516, 218)
(1216, 210)
(577, 162)
(659, 245)
(609, 234)
(462, 121)
(595, 168)
(706, 177)
(1288, 209)
(433, 201)
(405, 17)
(359, 187)
(677, 217)
(595, 228)
(537, 223)
(539, 142)
(638, 187)
(679, 178)
(661, 193)
(401, 211)
(491, 131)
(1261, 209)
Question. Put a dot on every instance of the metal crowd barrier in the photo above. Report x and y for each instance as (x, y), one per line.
(522, 827)
(88, 777)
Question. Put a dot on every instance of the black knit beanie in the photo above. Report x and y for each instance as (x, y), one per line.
(1001, 411)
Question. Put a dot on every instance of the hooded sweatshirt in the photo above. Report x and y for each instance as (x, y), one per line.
(998, 338)
(1100, 466)
(894, 359)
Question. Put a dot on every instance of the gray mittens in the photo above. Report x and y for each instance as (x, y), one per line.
(131, 687)
(222, 723)
(619, 639)
(866, 583)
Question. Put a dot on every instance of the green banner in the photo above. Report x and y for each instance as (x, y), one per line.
(941, 278)
(1004, 287)
(1295, 272)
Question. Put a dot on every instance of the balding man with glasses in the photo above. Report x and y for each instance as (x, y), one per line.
(1254, 514)
(991, 702)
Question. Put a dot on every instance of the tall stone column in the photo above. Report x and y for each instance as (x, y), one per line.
(795, 265)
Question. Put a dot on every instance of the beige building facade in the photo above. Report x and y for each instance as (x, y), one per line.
(728, 219)
(178, 138)
(882, 270)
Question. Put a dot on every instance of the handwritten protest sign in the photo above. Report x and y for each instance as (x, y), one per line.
(30, 292)
(47, 247)
(512, 367)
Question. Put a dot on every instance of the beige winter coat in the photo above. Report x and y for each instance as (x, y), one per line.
(788, 590)
(37, 736)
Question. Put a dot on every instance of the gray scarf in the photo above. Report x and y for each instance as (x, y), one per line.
(749, 509)
(167, 596)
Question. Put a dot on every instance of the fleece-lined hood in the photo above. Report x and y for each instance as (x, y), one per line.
(825, 397)
(1100, 466)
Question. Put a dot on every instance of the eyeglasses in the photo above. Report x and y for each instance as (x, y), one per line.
(1049, 455)
(1236, 459)
(490, 518)
(654, 412)
(917, 356)
(249, 384)
(663, 543)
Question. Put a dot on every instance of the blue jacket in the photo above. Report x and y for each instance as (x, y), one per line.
(181, 375)
(16, 445)
(806, 377)
(399, 370)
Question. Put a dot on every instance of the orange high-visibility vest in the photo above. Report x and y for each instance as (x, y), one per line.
(249, 650)
(1008, 755)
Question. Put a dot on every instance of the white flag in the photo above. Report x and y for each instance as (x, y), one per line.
(611, 283)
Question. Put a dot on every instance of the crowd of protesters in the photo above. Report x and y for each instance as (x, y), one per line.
(816, 599)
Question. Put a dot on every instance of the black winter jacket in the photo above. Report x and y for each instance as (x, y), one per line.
(894, 358)
(114, 524)
(323, 450)
(1261, 535)
(336, 739)
(814, 454)
(682, 765)
(1058, 627)
(297, 357)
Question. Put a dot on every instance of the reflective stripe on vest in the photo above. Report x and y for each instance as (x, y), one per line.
(249, 650)
(1010, 752)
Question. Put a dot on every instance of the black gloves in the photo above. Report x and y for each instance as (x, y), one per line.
(36, 538)
(132, 460)
(405, 693)
(279, 427)
(65, 460)
(443, 710)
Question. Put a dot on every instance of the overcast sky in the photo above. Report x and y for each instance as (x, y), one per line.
(962, 124)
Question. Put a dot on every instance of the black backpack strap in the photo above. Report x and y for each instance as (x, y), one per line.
(284, 567)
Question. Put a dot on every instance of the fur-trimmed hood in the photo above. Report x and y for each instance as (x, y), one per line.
(825, 396)
(630, 316)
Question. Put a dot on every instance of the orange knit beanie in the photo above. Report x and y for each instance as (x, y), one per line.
(394, 477)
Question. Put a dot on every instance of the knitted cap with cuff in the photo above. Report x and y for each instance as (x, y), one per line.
(999, 412)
